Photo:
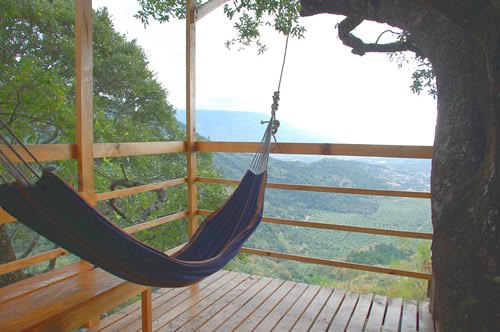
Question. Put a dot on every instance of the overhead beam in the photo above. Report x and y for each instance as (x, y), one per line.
(208, 7)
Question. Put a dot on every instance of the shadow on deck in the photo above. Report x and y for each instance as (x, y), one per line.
(230, 301)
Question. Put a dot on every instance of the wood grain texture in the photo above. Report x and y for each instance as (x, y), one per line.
(32, 260)
(67, 304)
(325, 149)
(139, 189)
(241, 302)
(35, 283)
(330, 262)
(337, 227)
(325, 189)
(84, 95)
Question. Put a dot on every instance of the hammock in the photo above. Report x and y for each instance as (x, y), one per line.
(52, 208)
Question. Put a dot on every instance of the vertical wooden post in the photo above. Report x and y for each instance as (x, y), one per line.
(191, 115)
(147, 310)
(84, 114)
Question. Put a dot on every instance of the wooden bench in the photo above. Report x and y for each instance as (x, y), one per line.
(67, 298)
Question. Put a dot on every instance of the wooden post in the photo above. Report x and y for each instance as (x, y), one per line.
(147, 310)
(191, 116)
(84, 114)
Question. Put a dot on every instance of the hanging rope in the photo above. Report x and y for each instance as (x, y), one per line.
(283, 64)
(276, 95)
(261, 158)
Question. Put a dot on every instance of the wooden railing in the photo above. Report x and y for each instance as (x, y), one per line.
(109, 150)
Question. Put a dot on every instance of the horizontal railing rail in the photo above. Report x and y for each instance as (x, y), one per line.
(139, 189)
(32, 260)
(347, 265)
(337, 227)
(325, 189)
(57, 152)
(324, 149)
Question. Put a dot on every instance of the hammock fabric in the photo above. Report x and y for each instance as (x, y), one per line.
(54, 209)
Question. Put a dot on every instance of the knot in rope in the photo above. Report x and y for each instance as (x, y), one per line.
(275, 105)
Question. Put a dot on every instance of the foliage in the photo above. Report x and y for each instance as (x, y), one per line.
(249, 18)
(423, 78)
(37, 99)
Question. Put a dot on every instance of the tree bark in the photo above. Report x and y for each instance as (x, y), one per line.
(461, 39)
(7, 255)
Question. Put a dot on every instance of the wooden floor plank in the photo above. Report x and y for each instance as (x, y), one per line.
(166, 301)
(358, 319)
(307, 318)
(281, 309)
(296, 311)
(193, 309)
(409, 319)
(231, 317)
(425, 322)
(266, 307)
(343, 315)
(189, 299)
(120, 324)
(377, 312)
(230, 301)
(226, 301)
(393, 315)
(329, 310)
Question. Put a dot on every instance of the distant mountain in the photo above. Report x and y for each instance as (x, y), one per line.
(236, 126)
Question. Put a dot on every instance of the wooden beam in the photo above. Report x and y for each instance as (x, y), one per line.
(337, 227)
(49, 152)
(32, 260)
(54, 152)
(109, 150)
(325, 149)
(5, 218)
(191, 115)
(326, 189)
(347, 228)
(139, 189)
(330, 262)
(147, 310)
(155, 222)
(43, 152)
(207, 8)
(84, 114)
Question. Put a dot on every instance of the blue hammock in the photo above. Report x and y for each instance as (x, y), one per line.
(52, 208)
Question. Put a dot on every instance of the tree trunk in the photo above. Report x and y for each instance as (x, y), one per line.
(7, 255)
(465, 184)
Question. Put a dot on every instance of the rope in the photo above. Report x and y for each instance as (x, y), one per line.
(283, 64)
(261, 158)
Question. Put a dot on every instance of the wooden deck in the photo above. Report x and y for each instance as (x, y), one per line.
(230, 301)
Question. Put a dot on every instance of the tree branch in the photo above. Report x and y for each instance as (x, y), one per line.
(31, 246)
(359, 47)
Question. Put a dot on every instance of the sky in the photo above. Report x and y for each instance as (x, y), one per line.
(325, 88)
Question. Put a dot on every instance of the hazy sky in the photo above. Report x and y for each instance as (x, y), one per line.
(325, 88)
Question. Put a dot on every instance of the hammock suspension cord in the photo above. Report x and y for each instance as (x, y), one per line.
(261, 158)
